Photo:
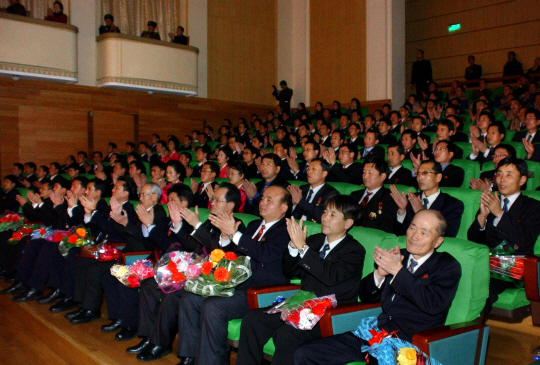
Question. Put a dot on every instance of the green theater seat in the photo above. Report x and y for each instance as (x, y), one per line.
(345, 188)
(466, 147)
(471, 168)
(471, 203)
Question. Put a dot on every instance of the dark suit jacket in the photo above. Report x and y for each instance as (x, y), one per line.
(34, 214)
(520, 227)
(244, 139)
(415, 151)
(481, 158)
(387, 139)
(490, 175)
(206, 238)
(252, 172)
(314, 210)
(252, 207)
(285, 171)
(402, 176)
(459, 137)
(421, 300)
(379, 213)
(302, 173)
(376, 151)
(327, 141)
(168, 241)
(8, 201)
(452, 176)
(101, 222)
(201, 200)
(449, 207)
(340, 272)
(196, 171)
(352, 174)
(132, 232)
(266, 254)
(518, 137)
(358, 142)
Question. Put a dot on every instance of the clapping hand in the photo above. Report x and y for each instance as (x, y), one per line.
(250, 189)
(492, 202)
(88, 204)
(416, 202)
(120, 218)
(224, 222)
(399, 198)
(116, 207)
(296, 193)
(34, 198)
(258, 162)
(297, 233)
(145, 216)
(529, 147)
(388, 262)
(192, 218)
(174, 213)
(21, 200)
(194, 185)
(71, 198)
(293, 165)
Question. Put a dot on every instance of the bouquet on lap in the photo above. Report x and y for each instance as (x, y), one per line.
(174, 268)
(74, 237)
(389, 350)
(304, 309)
(25, 230)
(220, 274)
(131, 275)
(504, 264)
(10, 222)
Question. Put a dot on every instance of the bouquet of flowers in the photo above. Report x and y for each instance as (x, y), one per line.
(174, 268)
(10, 222)
(504, 264)
(220, 274)
(132, 275)
(75, 237)
(304, 310)
(43, 232)
(56, 235)
(390, 350)
(103, 252)
(25, 230)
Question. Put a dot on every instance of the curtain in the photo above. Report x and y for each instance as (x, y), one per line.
(131, 16)
(37, 8)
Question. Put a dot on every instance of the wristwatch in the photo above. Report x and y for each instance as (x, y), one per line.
(303, 250)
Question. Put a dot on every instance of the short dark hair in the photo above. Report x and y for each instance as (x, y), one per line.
(344, 204)
(449, 145)
(400, 148)
(238, 165)
(489, 114)
(155, 135)
(11, 178)
(205, 149)
(500, 127)
(18, 165)
(129, 185)
(99, 185)
(123, 164)
(188, 155)
(378, 163)
(113, 145)
(533, 111)
(56, 165)
(83, 180)
(64, 184)
(409, 132)
(509, 148)
(520, 164)
(421, 119)
(232, 195)
(273, 157)
(160, 165)
(101, 154)
(83, 153)
(437, 168)
(143, 143)
(139, 166)
(324, 164)
(214, 167)
(31, 165)
(183, 192)
(447, 123)
(316, 146)
(181, 28)
(351, 146)
(376, 133)
(130, 144)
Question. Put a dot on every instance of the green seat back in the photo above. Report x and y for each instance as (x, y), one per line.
(135, 203)
(107, 200)
(407, 164)
(312, 228)
(203, 213)
(509, 135)
(534, 167)
(211, 144)
(166, 209)
(471, 203)
(147, 168)
(220, 180)
(471, 168)
(473, 286)
(535, 195)
(297, 182)
(88, 176)
(345, 188)
(65, 176)
(466, 147)
(246, 218)
(520, 149)
(431, 135)
(369, 238)
(187, 180)
(500, 117)
(23, 192)
(403, 188)
(364, 111)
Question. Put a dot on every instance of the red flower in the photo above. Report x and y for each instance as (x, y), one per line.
(206, 268)
(231, 256)
(176, 276)
(294, 317)
(318, 310)
(310, 303)
(72, 239)
(222, 275)
(42, 231)
(133, 281)
(17, 236)
(57, 237)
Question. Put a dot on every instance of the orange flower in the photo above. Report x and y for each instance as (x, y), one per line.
(222, 275)
(73, 239)
(231, 256)
(81, 232)
(206, 268)
(217, 255)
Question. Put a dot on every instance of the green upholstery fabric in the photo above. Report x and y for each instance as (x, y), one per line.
(65, 176)
(431, 135)
(345, 188)
(402, 188)
(312, 228)
(187, 180)
(166, 209)
(471, 202)
(466, 147)
(474, 284)
(534, 181)
(297, 182)
(509, 133)
(88, 176)
(135, 203)
(107, 200)
(212, 144)
(24, 193)
(465, 342)
(234, 329)
(369, 238)
(245, 218)
(147, 167)
(472, 169)
(487, 166)
(220, 180)
(511, 299)
(203, 213)
(407, 164)
(520, 149)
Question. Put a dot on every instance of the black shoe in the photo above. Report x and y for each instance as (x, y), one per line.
(16, 288)
(154, 352)
(76, 312)
(85, 316)
(63, 305)
(112, 327)
(30, 294)
(53, 296)
(137, 349)
(186, 361)
(127, 333)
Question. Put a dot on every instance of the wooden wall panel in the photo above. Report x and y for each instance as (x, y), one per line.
(338, 50)
(489, 30)
(43, 121)
(242, 50)
(50, 134)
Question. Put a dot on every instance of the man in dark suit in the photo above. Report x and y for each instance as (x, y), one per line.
(203, 321)
(310, 152)
(370, 146)
(354, 131)
(30, 171)
(201, 156)
(159, 320)
(309, 200)
(429, 176)
(452, 175)
(249, 155)
(532, 119)
(495, 136)
(421, 74)
(283, 96)
(243, 135)
(418, 272)
(384, 132)
(347, 170)
(8, 201)
(281, 149)
(474, 71)
(209, 172)
(179, 38)
(445, 131)
(397, 174)
(377, 208)
(408, 141)
(270, 167)
(507, 217)
(325, 131)
(327, 263)
(487, 180)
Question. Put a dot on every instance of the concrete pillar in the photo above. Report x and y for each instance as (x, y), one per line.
(85, 15)
(197, 20)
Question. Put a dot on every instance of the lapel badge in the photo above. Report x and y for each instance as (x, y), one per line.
(380, 207)
(425, 276)
(372, 215)
(319, 201)
(263, 239)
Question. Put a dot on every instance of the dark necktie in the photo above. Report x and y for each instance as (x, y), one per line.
(505, 205)
(309, 195)
(260, 233)
(412, 265)
(304, 170)
(529, 137)
(325, 249)
(200, 189)
(364, 201)
(426, 202)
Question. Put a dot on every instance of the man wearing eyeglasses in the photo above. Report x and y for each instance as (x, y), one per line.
(530, 135)
(488, 179)
(347, 170)
(429, 176)
(452, 176)
(209, 172)
(310, 151)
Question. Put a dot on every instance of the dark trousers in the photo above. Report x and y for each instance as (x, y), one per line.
(166, 322)
(149, 304)
(10, 254)
(28, 259)
(93, 292)
(67, 279)
(203, 324)
(333, 350)
(122, 302)
(56, 265)
(258, 327)
(49, 260)
(81, 267)
(496, 287)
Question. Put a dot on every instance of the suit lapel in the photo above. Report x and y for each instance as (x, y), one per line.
(438, 203)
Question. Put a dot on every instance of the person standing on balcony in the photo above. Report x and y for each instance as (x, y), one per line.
(151, 32)
(14, 8)
(179, 38)
(58, 14)
(109, 26)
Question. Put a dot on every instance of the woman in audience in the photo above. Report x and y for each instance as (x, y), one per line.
(175, 174)
(173, 144)
(237, 174)
(58, 14)
(336, 109)
(415, 103)
(453, 89)
(319, 110)
(355, 105)
(223, 155)
(300, 112)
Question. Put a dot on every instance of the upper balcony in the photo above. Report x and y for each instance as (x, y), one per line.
(129, 62)
(38, 49)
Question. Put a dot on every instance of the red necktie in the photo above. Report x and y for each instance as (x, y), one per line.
(200, 189)
(493, 178)
(364, 201)
(259, 235)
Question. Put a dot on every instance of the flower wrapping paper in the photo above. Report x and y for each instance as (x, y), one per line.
(174, 268)
(131, 275)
